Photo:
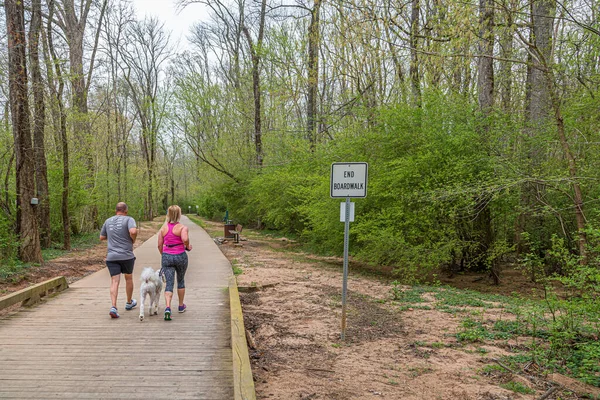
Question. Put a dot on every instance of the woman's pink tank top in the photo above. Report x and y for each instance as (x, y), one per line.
(173, 243)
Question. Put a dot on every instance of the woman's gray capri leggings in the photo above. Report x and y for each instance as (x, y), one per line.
(174, 264)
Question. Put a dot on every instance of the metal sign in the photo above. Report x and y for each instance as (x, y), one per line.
(349, 179)
(343, 212)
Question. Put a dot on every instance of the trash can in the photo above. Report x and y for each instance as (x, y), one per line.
(226, 229)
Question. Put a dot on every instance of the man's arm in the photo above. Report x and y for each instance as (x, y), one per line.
(133, 234)
(132, 229)
(103, 232)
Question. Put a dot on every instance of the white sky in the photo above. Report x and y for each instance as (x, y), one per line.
(178, 23)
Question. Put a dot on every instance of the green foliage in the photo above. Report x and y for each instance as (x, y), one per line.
(236, 269)
(425, 168)
(78, 242)
(13, 272)
(584, 362)
(396, 291)
(517, 387)
(9, 245)
(473, 331)
(412, 295)
(460, 298)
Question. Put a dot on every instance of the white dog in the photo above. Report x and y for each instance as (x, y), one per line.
(152, 285)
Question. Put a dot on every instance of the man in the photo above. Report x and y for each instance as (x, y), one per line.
(120, 230)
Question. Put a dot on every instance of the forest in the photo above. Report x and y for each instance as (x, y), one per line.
(479, 122)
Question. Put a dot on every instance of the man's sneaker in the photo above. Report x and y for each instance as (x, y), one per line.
(167, 314)
(113, 312)
(182, 308)
(131, 306)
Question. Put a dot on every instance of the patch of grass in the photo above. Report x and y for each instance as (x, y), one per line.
(437, 345)
(236, 269)
(450, 310)
(585, 362)
(78, 242)
(414, 307)
(475, 331)
(463, 298)
(411, 296)
(197, 220)
(13, 272)
(519, 328)
(492, 369)
(418, 371)
(517, 387)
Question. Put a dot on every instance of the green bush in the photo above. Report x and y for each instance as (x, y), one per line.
(9, 245)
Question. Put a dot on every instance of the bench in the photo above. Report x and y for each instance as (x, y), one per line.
(236, 233)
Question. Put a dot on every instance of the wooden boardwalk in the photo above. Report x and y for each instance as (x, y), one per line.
(70, 348)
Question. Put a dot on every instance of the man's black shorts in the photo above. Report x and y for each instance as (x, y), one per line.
(116, 267)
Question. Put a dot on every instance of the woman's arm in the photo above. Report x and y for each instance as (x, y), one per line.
(161, 240)
(185, 238)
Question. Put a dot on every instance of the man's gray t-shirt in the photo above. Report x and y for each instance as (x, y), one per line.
(116, 229)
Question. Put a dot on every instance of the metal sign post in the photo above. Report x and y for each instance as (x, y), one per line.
(345, 279)
(347, 180)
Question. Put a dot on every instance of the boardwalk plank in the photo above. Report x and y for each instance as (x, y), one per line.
(69, 348)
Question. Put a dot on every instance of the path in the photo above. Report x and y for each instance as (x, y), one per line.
(69, 347)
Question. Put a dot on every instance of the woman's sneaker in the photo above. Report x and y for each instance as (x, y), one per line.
(113, 312)
(167, 314)
(182, 308)
(131, 305)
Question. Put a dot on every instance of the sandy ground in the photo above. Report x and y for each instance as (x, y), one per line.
(292, 311)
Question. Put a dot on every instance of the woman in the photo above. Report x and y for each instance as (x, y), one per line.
(173, 241)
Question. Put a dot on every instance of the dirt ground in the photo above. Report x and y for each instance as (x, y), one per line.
(292, 311)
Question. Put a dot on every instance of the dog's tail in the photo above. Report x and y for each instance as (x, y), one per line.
(147, 275)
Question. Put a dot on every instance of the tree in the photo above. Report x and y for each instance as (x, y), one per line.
(256, 51)
(59, 116)
(27, 226)
(485, 87)
(415, 79)
(41, 174)
(73, 20)
(314, 37)
(143, 66)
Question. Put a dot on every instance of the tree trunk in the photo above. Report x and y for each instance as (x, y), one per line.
(256, 54)
(61, 117)
(29, 250)
(73, 24)
(415, 79)
(482, 225)
(572, 163)
(41, 174)
(313, 74)
(506, 52)
(537, 116)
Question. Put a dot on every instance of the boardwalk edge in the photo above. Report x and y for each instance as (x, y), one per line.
(34, 293)
(243, 383)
